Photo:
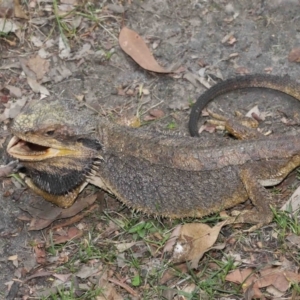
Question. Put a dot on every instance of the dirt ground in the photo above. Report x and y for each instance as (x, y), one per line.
(261, 35)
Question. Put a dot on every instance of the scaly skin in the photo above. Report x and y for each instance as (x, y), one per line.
(62, 147)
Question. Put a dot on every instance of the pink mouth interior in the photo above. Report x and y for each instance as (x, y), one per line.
(27, 147)
(32, 147)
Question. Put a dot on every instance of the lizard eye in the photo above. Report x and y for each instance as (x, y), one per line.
(49, 132)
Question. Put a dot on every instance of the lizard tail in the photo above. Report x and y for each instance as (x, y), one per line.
(282, 84)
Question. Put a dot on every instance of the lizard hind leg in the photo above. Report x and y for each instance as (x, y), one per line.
(260, 197)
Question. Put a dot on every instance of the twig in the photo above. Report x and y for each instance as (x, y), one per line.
(124, 286)
(153, 106)
(103, 27)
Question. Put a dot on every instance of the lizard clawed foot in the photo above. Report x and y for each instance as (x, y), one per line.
(239, 118)
(253, 217)
(239, 126)
(236, 220)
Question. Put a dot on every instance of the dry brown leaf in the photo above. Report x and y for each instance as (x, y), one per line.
(171, 242)
(208, 128)
(64, 8)
(157, 113)
(268, 70)
(38, 274)
(36, 41)
(121, 91)
(274, 292)
(130, 92)
(80, 205)
(44, 213)
(62, 277)
(64, 48)
(18, 11)
(13, 110)
(72, 234)
(59, 73)
(277, 277)
(246, 277)
(125, 287)
(194, 240)
(108, 289)
(5, 170)
(78, 217)
(119, 9)
(70, 2)
(269, 276)
(232, 40)
(228, 20)
(83, 52)
(42, 210)
(39, 66)
(241, 70)
(293, 204)
(24, 217)
(294, 239)
(171, 273)
(10, 42)
(227, 37)
(193, 78)
(111, 228)
(145, 92)
(253, 292)
(294, 55)
(14, 91)
(26, 70)
(36, 87)
(16, 107)
(136, 48)
(7, 26)
(255, 110)
(149, 118)
(12, 257)
(38, 224)
(189, 289)
(233, 55)
(86, 271)
(43, 53)
(14, 65)
(80, 97)
(121, 247)
(14, 260)
(6, 9)
(154, 114)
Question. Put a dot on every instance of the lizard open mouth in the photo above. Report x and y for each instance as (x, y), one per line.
(27, 151)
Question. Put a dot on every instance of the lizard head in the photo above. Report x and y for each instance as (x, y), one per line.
(56, 144)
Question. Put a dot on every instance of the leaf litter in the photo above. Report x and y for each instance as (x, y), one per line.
(252, 281)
